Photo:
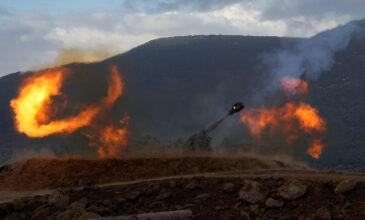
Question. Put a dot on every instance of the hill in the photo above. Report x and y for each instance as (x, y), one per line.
(175, 86)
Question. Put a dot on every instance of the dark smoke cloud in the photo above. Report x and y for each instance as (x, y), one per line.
(311, 56)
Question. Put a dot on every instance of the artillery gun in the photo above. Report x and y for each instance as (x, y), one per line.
(200, 142)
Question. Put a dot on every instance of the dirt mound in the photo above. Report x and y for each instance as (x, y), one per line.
(36, 174)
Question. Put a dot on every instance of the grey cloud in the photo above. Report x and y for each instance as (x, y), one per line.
(282, 9)
(183, 5)
(22, 41)
(194, 5)
(27, 42)
(271, 9)
(32, 37)
(175, 24)
(4, 12)
(100, 20)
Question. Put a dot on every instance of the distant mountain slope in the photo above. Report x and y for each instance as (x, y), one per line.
(195, 77)
(175, 86)
(8, 88)
(340, 96)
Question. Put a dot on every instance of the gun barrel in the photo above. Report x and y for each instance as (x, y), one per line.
(215, 124)
(235, 108)
(201, 140)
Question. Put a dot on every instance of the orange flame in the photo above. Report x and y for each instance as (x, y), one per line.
(294, 86)
(315, 149)
(33, 110)
(110, 140)
(31, 105)
(290, 120)
(309, 118)
(33, 114)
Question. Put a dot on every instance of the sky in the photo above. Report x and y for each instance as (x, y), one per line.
(33, 32)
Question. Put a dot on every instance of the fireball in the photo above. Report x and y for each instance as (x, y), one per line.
(34, 110)
(291, 120)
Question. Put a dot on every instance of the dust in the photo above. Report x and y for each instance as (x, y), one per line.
(81, 55)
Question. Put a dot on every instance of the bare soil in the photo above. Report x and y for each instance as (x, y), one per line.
(212, 187)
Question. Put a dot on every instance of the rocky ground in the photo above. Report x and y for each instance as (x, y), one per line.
(211, 187)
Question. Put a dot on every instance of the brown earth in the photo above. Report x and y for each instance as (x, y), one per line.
(212, 187)
(36, 174)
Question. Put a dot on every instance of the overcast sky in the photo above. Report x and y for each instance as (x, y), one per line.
(32, 32)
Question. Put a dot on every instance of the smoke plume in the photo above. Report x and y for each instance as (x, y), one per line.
(310, 56)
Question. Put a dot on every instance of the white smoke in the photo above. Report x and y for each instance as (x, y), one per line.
(311, 56)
